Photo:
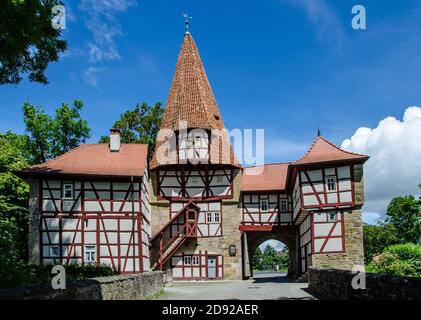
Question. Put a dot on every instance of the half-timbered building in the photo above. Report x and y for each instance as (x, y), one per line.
(91, 206)
(194, 210)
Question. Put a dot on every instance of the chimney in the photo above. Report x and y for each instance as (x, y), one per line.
(114, 140)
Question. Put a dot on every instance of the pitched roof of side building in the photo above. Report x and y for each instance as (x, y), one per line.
(95, 160)
(274, 177)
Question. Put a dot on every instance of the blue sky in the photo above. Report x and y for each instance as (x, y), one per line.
(286, 66)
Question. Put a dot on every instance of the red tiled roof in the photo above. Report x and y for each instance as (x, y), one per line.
(191, 104)
(324, 151)
(95, 159)
(270, 177)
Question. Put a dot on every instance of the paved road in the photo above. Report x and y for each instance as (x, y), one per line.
(263, 286)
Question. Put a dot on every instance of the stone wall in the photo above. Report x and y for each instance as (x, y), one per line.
(120, 287)
(332, 284)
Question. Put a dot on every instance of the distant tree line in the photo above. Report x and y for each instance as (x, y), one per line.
(270, 259)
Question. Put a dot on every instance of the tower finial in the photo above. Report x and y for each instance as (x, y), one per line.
(318, 132)
(187, 17)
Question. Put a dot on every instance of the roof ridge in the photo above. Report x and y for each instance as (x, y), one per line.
(308, 150)
(334, 145)
(270, 164)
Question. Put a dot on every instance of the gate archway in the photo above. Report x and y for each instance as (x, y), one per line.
(253, 239)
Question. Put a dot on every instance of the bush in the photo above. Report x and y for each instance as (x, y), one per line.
(13, 271)
(42, 273)
(400, 260)
(377, 238)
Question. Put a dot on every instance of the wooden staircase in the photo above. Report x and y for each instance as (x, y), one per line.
(168, 244)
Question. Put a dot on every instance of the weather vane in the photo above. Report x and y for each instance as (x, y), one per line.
(186, 16)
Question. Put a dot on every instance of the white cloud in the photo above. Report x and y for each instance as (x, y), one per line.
(104, 27)
(277, 245)
(91, 75)
(394, 167)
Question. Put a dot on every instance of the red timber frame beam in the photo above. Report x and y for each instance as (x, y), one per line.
(100, 217)
(325, 193)
(329, 235)
(182, 175)
(261, 225)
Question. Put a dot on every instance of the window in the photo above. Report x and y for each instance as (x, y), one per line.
(331, 183)
(219, 179)
(195, 260)
(194, 180)
(189, 143)
(213, 217)
(197, 142)
(68, 190)
(54, 251)
(263, 205)
(216, 217)
(284, 205)
(187, 260)
(90, 254)
(332, 217)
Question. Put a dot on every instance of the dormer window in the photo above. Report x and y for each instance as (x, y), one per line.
(68, 191)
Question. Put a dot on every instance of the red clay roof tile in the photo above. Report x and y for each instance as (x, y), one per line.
(96, 159)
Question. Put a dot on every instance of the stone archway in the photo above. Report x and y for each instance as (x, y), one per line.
(253, 239)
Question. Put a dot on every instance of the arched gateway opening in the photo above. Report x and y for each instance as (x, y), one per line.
(271, 257)
(253, 239)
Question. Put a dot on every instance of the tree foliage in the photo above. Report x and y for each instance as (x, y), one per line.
(405, 214)
(270, 258)
(13, 190)
(49, 136)
(140, 125)
(377, 238)
(28, 42)
(400, 260)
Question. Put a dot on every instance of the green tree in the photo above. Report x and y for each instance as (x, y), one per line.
(13, 271)
(405, 214)
(140, 125)
(28, 42)
(13, 190)
(50, 137)
(377, 238)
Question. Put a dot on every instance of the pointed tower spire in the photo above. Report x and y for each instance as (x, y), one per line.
(191, 103)
(318, 132)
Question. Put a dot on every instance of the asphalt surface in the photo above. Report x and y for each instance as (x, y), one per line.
(273, 286)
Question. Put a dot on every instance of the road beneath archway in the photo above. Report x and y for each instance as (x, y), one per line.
(273, 286)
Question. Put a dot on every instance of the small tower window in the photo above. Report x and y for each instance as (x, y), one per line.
(219, 179)
(195, 260)
(209, 217)
(263, 205)
(68, 190)
(331, 183)
(194, 180)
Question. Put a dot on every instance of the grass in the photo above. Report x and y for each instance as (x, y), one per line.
(156, 294)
